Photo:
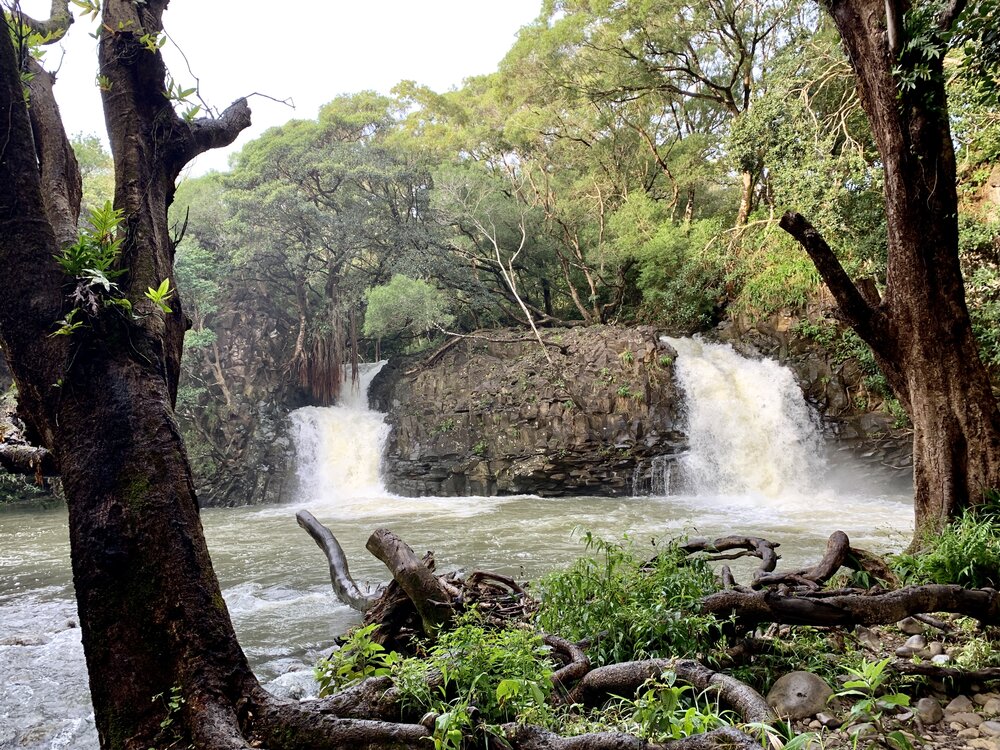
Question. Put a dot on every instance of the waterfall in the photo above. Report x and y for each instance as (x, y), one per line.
(339, 448)
(749, 428)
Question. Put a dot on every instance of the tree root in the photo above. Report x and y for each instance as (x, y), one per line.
(753, 607)
(523, 737)
(626, 678)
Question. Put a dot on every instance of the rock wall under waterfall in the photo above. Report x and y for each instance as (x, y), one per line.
(490, 417)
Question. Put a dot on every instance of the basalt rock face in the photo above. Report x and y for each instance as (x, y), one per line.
(498, 418)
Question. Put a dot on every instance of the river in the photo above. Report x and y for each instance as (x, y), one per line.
(275, 580)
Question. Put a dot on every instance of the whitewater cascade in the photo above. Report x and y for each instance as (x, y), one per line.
(339, 448)
(749, 428)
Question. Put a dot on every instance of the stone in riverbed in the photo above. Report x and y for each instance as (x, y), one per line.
(929, 711)
(960, 704)
(991, 728)
(992, 707)
(941, 659)
(935, 648)
(910, 626)
(798, 695)
(968, 719)
(916, 642)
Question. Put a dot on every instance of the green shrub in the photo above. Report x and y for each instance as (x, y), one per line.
(506, 673)
(640, 608)
(967, 552)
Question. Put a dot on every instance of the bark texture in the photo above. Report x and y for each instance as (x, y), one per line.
(919, 330)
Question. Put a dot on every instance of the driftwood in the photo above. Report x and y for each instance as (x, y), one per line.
(340, 576)
(430, 598)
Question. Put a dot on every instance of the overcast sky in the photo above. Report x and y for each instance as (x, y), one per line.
(307, 50)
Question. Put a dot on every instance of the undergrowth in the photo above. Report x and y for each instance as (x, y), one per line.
(966, 552)
(633, 607)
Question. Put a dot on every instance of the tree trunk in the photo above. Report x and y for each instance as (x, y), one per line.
(920, 332)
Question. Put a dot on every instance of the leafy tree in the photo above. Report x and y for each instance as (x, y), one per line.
(97, 170)
(404, 305)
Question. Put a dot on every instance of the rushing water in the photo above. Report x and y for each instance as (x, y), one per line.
(275, 579)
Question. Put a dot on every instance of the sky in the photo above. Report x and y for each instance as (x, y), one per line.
(306, 50)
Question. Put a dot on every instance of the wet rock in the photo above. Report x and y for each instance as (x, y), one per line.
(990, 728)
(929, 711)
(910, 626)
(798, 695)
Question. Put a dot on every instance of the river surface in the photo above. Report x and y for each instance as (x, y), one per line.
(748, 471)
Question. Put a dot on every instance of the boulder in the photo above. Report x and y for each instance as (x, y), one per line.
(798, 695)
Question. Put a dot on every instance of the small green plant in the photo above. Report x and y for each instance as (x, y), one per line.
(627, 357)
(479, 448)
(665, 711)
(978, 653)
(444, 426)
(359, 657)
(867, 690)
(624, 391)
(161, 295)
(169, 736)
(665, 360)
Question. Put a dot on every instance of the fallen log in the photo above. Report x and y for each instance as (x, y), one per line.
(751, 608)
(344, 586)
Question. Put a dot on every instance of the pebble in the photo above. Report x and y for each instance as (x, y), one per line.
(904, 651)
(828, 720)
(968, 734)
(991, 728)
(992, 707)
(956, 727)
(868, 639)
(984, 744)
(929, 711)
(941, 659)
(935, 648)
(916, 642)
(910, 626)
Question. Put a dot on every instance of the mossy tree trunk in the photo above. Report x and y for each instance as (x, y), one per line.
(919, 330)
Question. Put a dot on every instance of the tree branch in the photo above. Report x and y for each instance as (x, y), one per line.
(346, 588)
(849, 299)
(208, 133)
(53, 29)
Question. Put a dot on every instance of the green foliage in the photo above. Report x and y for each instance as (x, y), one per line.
(90, 262)
(803, 648)
(504, 672)
(663, 710)
(979, 652)
(966, 552)
(161, 295)
(642, 608)
(868, 691)
(359, 657)
(405, 305)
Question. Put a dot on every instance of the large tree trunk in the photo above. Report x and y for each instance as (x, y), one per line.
(920, 332)
(151, 611)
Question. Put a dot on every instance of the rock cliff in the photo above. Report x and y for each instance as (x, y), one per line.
(494, 416)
